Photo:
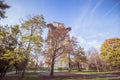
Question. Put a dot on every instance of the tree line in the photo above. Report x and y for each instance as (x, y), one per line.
(21, 45)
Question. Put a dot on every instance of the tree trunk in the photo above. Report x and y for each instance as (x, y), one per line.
(24, 65)
(69, 69)
(36, 67)
(3, 72)
(16, 71)
(52, 67)
(78, 65)
(97, 68)
(69, 64)
(23, 73)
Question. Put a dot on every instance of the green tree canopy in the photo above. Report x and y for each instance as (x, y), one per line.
(31, 39)
(8, 43)
(110, 52)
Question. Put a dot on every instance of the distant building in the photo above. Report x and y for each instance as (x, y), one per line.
(61, 61)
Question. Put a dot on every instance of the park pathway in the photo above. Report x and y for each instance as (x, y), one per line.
(66, 74)
(10, 73)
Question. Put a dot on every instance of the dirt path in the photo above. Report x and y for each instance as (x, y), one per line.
(10, 73)
(66, 74)
(70, 75)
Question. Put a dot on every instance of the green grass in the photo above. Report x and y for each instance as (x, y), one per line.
(44, 78)
(19, 78)
(92, 72)
(37, 73)
(73, 78)
(34, 76)
(66, 79)
(96, 73)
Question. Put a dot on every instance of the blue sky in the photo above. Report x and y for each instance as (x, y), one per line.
(92, 21)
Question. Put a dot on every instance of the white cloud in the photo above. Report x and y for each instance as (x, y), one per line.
(81, 40)
(86, 44)
(104, 34)
(94, 44)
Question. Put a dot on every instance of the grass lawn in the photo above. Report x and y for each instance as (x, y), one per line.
(40, 78)
(92, 72)
(75, 72)
(34, 76)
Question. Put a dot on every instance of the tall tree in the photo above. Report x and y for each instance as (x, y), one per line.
(79, 57)
(8, 43)
(76, 54)
(110, 52)
(56, 41)
(69, 50)
(31, 37)
(94, 61)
